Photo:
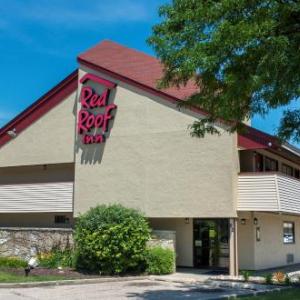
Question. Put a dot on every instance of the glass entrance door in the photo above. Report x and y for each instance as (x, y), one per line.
(211, 247)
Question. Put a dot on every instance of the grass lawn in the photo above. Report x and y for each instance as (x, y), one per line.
(6, 277)
(290, 294)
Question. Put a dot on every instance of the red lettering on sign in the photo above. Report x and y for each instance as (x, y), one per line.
(86, 93)
(87, 121)
(93, 139)
(89, 99)
(82, 117)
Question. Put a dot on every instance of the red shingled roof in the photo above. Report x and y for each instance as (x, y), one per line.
(133, 65)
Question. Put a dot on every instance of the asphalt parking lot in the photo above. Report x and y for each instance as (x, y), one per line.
(136, 289)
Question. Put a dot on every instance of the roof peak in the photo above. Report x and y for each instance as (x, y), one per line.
(133, 65)
(111, 43)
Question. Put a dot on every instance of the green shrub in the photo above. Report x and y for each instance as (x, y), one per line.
(246, 275)
(56, 258)
(160, 261)
(111, 240)
(269, 278)
(12, 262)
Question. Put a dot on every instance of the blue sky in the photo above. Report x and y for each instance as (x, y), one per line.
(40, 40)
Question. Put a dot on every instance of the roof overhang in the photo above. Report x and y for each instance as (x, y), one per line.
(254, 139)
(49, 100)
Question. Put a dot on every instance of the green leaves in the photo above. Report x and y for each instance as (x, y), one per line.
(246, 53)
(160, 261)
(111, 239)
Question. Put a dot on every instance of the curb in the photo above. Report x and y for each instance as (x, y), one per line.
(252, 294)
(175, 280)
(71, 282)
(239, 285)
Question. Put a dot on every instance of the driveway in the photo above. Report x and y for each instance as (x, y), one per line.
(136, 289)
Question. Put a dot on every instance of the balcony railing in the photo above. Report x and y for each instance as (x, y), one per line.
(36, 197)
(270, 192)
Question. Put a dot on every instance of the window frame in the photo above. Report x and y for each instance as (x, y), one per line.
(287, 167)
(61, 219)
(293, 232)
(271, 160)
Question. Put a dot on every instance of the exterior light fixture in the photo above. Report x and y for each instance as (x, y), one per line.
(243, 221)
(257, 234)
(255, 221)
(12, 133)
(187, 220)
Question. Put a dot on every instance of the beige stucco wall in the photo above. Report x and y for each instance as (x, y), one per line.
(151, 162)
(184, 237)
(42, 220)
(246, 241)
(270, 251)
(49, 140)
(37, 174)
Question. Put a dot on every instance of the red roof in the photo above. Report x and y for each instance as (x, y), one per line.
(253, 138)
(133, 65)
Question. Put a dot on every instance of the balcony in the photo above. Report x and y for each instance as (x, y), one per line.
(269, 192)
(36, 197)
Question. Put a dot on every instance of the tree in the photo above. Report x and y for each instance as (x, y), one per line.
(242, 54)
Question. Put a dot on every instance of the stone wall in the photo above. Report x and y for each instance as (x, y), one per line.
(27, 242)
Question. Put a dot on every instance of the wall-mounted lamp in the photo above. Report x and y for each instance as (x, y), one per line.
(12, 133)
(187, 220)
(255, 221)
(257, 234)
(243, 221)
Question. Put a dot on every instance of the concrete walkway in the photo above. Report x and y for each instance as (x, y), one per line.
(146, 289)
(185, 275)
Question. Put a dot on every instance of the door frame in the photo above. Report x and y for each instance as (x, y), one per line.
(194, 250)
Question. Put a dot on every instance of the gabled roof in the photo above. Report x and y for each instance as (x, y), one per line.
(40, 107)
(132, 65)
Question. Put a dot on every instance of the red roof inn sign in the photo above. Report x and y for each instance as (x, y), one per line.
(93, 126)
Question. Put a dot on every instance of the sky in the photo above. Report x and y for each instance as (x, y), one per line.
(40, 40)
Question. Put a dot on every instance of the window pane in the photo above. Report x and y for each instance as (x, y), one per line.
(288, 233)
(271, 164)
(287, 170)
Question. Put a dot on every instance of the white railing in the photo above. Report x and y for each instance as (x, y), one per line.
(36, 197)
(268, 192)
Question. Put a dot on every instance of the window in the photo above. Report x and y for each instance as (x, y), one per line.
(297, 174)
(259, 162)
(271, 164)
(287, 170)
(288, 232)
(61, 220)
